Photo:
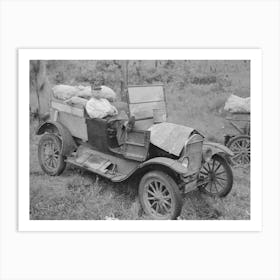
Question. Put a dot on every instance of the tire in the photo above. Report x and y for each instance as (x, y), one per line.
(241, 147)
(218, 177)
(51, 160)
(160, 196)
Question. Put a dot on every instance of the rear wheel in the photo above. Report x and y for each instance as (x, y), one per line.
(241, 147)
(160, 196)
(218, 177)
(49, 153)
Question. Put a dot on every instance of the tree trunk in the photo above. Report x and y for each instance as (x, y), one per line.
(138, 71)
(124, 81)
(36, 71)
(42, 88)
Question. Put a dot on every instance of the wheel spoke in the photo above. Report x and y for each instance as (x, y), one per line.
(151, 193)
(55, 162)
(47, 161)
(220, 178)
(153, 204)
(216, 187)
(165, 191)
(167, 203)
(217, 167)
(237, 154)
(161, 187)
(213, 164)
(157, 207)
(209, 187)
(237, 145)
(220, 173)
(247, 157)
(152, 187)
(55, 157)
(165, 208)
(204, 173)
(206, 170)
(210, 183)
(220, 184)
(205, 185)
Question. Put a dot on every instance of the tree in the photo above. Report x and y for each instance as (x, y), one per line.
(122, 65)
(39, 82)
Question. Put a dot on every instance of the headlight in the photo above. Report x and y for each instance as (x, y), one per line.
(207, 155)
(185, 162)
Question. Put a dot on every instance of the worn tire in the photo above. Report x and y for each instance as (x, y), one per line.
(221, 181)
(52, 161)
(166, 207)
(236, 144)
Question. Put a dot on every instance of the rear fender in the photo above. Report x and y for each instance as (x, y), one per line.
(68, 143)
(217, 148)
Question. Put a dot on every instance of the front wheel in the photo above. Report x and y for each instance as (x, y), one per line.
(160, 196)
(49, 153)
(216, 177)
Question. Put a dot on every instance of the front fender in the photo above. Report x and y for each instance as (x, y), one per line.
(167, 162)
(217, 148)
(68, 143)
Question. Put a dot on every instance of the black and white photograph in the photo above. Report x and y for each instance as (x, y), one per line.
(139, 139)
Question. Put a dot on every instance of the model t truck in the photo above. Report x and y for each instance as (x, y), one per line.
(164, 159)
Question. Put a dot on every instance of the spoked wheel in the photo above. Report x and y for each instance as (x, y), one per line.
(160, 196)
(217, 177)
(241, 147)
(49, 154)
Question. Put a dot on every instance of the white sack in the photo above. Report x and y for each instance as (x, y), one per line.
(105, 92)
(77, 101)
(100, 108)
(236, 104)
(64, 92)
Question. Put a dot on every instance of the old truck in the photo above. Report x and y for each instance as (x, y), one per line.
(165, 160)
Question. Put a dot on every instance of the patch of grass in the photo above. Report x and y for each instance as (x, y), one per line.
(80, 197)
(235, 206)
(77, 196)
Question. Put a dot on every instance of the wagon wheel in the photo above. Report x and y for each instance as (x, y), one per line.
(241, 147)
(49, 153)
(217, 177)
(160, 196)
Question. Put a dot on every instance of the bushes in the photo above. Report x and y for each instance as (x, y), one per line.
(180, 72)
(203, 79)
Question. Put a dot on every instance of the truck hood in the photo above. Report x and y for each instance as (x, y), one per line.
(170, 137)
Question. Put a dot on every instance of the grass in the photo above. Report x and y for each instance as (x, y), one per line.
(195, 98)
(78, 195)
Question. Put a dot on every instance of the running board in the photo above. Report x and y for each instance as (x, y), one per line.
(109, 166)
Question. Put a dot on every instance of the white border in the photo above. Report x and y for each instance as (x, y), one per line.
(254, 55)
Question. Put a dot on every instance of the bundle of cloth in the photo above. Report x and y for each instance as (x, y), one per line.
(236, 104)
(96, 101)
(65, 92)
(100, 108)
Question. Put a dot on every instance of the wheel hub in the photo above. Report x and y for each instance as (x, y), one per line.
(159, 196)
(212, 176)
